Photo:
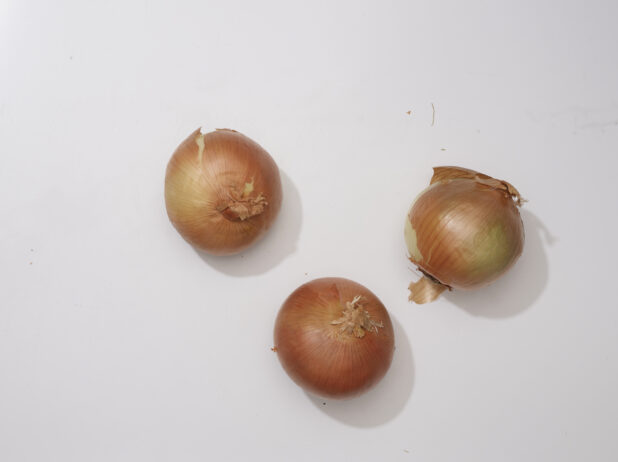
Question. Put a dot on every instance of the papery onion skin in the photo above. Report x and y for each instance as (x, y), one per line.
(222, 191)
(465, 230)
(319, 353)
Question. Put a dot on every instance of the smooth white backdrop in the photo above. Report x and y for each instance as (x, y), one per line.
(119, 342)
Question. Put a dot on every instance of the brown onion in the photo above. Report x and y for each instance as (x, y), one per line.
(463, 231)
(334, 337)
(222, 191)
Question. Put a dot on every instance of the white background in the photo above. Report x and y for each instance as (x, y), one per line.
(118, 342)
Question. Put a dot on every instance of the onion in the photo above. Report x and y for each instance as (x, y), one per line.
(463, 231)
(334, 338)
(222, 191)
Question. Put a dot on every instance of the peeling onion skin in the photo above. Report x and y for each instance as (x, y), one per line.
(319, 353)
(222, 191)
(464, 231)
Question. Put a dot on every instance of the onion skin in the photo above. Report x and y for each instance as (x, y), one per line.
(316, 349)
(222, 191)
(464, 231)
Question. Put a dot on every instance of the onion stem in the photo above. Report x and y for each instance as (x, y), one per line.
(355, 320)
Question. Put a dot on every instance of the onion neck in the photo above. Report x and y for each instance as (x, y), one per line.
(356, 320)
(441, 174)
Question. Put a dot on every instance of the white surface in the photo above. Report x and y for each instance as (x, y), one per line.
(119, 343)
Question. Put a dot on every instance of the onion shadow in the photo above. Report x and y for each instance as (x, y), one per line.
(386, 400)
(521, 286)
(278, 243)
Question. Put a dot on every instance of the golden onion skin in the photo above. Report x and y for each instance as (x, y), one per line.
(317, 354)
(465, 233)
(222, 191)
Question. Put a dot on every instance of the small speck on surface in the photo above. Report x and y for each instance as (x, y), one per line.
(408, 112)
(323, 404)
(442, 149)
(406, 451)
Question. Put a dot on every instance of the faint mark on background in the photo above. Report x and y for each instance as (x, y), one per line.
(582, 118)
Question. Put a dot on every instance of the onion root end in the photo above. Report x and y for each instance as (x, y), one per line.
(356, 320)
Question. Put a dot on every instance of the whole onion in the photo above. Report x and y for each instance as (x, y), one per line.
(463, 231)
(222, 191)
(334, 337)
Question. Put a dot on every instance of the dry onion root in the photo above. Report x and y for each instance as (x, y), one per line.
(463, 232)
(222, 191)
(334, 338)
